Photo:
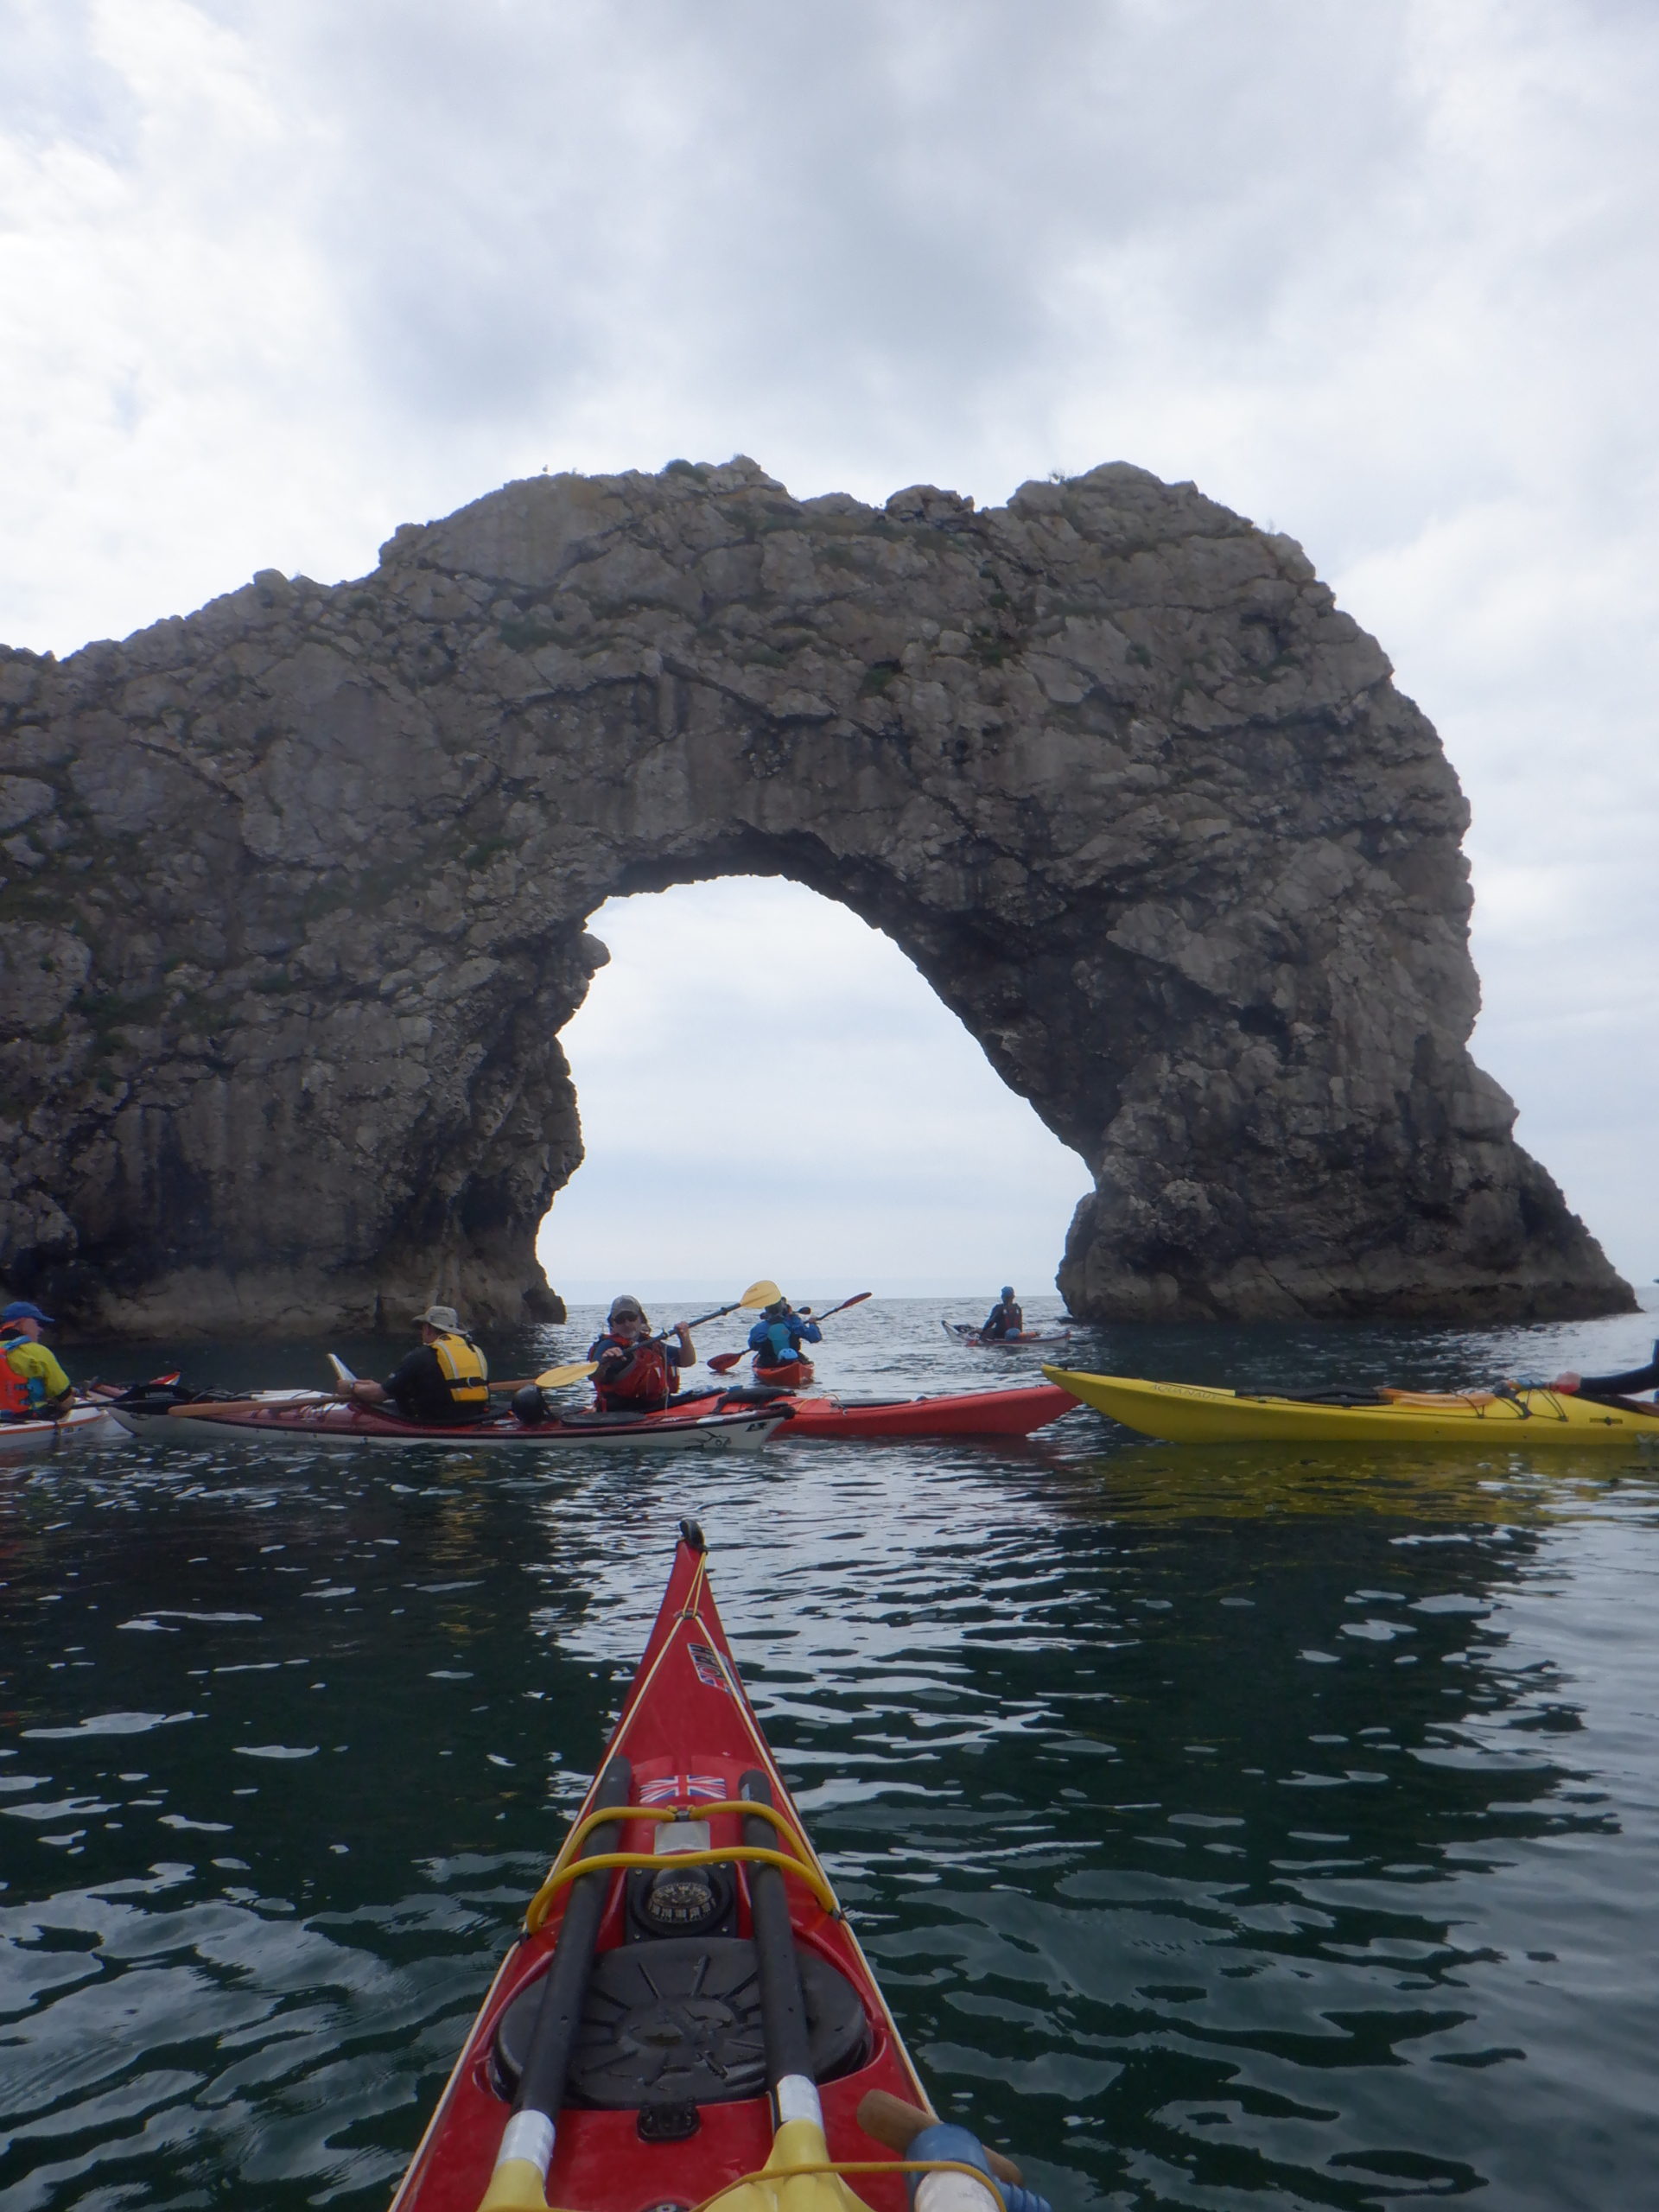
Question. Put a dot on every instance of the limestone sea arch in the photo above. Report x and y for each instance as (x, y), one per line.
(296, 890)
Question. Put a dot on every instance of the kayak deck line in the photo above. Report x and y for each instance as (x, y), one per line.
(586, 1825)
(745, 1854)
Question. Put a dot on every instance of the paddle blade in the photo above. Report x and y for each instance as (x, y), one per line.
(343, 1374)
(724, 1362)
(555, 1377)
(759, 1293)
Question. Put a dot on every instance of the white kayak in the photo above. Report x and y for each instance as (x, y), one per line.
(83, 1423)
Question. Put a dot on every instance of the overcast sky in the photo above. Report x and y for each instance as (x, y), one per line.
(278, 275)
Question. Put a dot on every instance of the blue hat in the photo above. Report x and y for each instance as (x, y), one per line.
(20, 1310)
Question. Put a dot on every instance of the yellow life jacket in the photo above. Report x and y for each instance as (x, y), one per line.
(465, 1369)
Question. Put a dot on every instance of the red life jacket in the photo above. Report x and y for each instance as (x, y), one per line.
(14, 1394)
(645, 1383)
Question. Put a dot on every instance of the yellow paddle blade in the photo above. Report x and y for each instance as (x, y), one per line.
(577, 1371)
(759, 1293)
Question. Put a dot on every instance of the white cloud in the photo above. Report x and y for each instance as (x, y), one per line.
(281, 275)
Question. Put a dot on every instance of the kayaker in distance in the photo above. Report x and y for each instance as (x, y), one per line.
(636, 1372)
(445, 1382)
(32, 1383)
(1004, 1319)
(778, 1336)
(1610, 1386)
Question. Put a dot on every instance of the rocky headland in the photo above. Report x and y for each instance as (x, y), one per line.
(296, 894)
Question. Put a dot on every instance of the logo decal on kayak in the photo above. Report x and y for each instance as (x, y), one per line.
(706, 1660)
(682, 1789)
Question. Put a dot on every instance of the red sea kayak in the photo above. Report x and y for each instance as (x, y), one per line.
(788, 1375)
(968, 1413)
(694, 2009)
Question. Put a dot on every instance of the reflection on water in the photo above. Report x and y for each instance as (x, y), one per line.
(1226, 1828)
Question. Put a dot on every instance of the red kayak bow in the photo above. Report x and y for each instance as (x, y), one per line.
(686, 2004)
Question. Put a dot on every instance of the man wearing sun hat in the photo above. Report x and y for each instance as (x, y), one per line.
(32, 1384)
(444, 1382)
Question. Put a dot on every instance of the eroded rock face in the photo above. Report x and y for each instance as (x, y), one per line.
(297, 891)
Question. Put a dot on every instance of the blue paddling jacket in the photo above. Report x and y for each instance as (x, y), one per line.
(775, 1342)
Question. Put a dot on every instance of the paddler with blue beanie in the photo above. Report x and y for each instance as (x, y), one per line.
(33, 1385)
(777, 1337)
(1005, 1319)
(635, 1372)
(443, 1383)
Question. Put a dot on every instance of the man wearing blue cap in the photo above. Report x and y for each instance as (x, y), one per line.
(32, 1384)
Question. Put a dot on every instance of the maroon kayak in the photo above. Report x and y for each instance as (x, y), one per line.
(282, 1417)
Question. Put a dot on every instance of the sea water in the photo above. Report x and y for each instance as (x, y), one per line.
(1267, 1826)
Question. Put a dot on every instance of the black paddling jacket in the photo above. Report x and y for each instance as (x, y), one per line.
(1621, 1386)
(445, 1384)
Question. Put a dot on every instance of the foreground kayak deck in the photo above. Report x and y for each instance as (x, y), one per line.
(276, 1421)
(1188, 1413)
(667, 2066)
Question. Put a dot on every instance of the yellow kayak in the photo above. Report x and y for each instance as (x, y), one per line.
(1188, 1413)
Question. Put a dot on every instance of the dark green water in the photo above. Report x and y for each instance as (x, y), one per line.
(1228, 1828)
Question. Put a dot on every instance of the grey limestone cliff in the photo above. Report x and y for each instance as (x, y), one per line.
(296, 891)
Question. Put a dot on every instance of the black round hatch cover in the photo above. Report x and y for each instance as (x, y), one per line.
(679, 2018)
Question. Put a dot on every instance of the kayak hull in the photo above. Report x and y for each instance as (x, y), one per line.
(85, 1424)
(969, 1412)
(687, 1738)
(1186, 1413)
(788, 1375)
(745, 1429)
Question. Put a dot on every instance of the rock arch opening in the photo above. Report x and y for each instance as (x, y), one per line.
(295, 892)
(767, 1086)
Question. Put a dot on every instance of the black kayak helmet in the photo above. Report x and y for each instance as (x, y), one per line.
(529, 1406)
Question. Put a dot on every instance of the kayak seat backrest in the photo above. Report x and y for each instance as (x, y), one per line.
(677, 2020)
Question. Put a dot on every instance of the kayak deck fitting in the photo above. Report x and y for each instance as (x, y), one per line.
(685, 2017)
(1514, 1415)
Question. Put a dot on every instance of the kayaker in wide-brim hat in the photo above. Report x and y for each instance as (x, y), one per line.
(443, 1383)
(635, 1371)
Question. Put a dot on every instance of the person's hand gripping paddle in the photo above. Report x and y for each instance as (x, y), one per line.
(757, 1294)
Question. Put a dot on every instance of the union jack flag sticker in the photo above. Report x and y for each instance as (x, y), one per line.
(682, 1789)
